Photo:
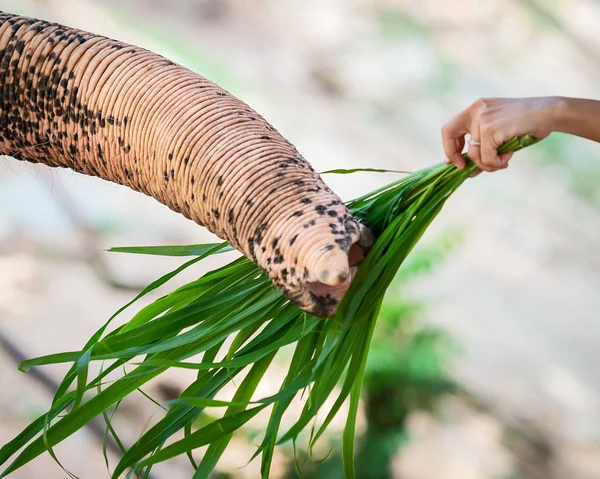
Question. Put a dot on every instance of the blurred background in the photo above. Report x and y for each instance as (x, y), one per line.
(485, 364)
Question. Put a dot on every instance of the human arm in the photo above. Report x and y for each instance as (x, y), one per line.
(493, 121)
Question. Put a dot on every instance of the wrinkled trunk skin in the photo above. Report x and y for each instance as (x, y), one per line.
(104, 108)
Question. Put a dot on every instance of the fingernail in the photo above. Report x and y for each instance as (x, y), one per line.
(447, 161)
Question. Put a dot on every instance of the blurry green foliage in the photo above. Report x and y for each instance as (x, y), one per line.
(395, 23)
(444, 79)
(579, 159)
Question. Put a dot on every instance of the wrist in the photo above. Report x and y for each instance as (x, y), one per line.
(558, 114)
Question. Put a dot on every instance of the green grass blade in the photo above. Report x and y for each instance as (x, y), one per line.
(206, 435)
(343, 171)
(33, 429)
(350, 428)
(177, 418)
(67, 381)
(183, 250)
(243, 394)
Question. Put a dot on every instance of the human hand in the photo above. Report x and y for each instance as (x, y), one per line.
(492, 122)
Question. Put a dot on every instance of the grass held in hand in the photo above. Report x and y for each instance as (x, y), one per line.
(238, 301)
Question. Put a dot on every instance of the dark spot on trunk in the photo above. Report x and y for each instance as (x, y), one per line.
(251, 248)
(323, 304)
(344, 243)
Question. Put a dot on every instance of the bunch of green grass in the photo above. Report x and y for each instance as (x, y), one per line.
(238, 301)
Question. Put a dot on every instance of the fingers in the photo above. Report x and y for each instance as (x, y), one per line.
(484, 152)
(490, 161)
(461, 161)
(482, 123)
(451, 148)
(485, 155)
(474, 151)
(453, 139)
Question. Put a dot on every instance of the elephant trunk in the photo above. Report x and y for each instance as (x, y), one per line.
(73, 99)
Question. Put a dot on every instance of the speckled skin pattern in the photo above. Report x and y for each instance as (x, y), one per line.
(104, 108)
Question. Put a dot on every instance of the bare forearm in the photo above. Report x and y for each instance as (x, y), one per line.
(577, 117)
